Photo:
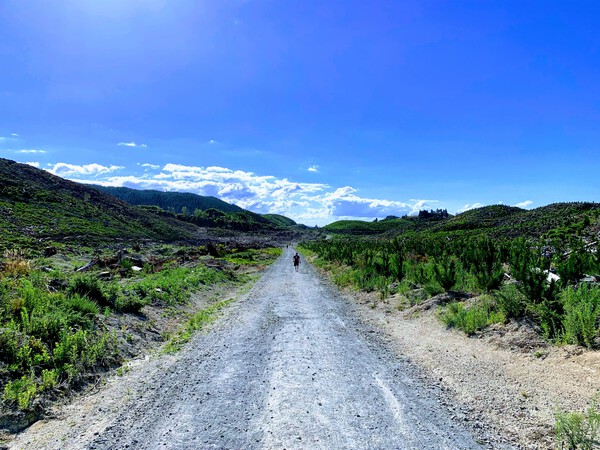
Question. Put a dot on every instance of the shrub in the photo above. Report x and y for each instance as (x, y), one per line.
(576, 430)
(421, 274)
(397, 266)
(433, 289)
(472, 319)
(582, 310)
(87, 285)
(445, 273)
(571, 270)
(129, 303)
(83, 305)
(15, 264)
(511, 301)
(82, 350)
(49, 379)
(486, 264)
(22, 392)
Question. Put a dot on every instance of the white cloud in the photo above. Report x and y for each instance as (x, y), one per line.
(14, 134)
(212, 141)
(313, 168)
(344, 203)
(524, 204)
(132, 144)
(34, 164)
(150, 166)
(419, 205)
(66, 170)
(468, 207)
(29, 151)
(311, 203)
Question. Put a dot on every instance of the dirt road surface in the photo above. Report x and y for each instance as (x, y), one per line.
(289, 366)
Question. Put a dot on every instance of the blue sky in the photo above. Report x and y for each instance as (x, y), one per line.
(318, 110)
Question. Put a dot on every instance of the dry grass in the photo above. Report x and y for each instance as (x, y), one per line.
(15, 263)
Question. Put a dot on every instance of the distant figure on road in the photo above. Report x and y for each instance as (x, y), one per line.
(296, 261)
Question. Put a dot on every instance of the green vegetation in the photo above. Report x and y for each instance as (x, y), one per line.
(47, 338)
(579, 431)
(359, 227)
(198, 321)
(474, 318)
(171, 287)
(38, 206)
(280, 221)
(581, 313)
(557, 221)
(53, 325)
(253, 257)
(177, 202)
(479, 262)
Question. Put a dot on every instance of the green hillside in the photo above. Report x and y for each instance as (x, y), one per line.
(200, 210)
(558, 219)
(359, 227)
(177, 202)
(36, 207)
(279, 220)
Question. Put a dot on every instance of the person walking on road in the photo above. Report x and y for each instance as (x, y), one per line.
(296, 262)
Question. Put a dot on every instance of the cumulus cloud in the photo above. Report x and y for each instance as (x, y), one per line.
(311, 203)
(14, 134)
(132, 144)
(33, 163)
(420, 204)
(313, 168)
(524, 204)
(345, 203)
(24, 150)
(468, 207)
(68, 170)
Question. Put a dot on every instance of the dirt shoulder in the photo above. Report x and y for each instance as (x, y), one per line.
(508, 379)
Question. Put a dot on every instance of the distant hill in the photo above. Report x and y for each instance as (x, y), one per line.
(359, 227)
(557, 219)
(201, 210)
(280, 220)
(484, 217)
(36, 206)
(169, 201)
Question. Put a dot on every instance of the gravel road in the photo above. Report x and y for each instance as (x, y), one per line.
(288, 367)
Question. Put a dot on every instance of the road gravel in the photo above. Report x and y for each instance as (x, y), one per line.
(290, 367)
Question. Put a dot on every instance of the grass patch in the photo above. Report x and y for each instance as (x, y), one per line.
(472, 319)
(198, 321)
(174, 286)
(579, 431)
(253, 257)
